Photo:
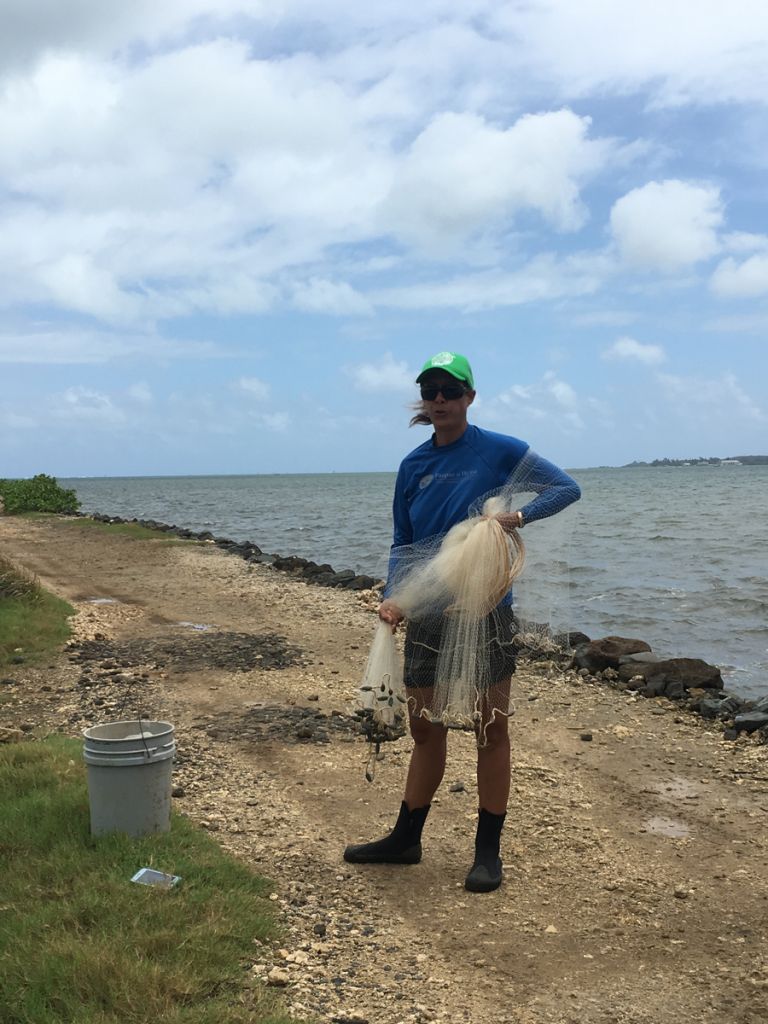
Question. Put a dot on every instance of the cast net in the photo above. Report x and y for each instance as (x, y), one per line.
(463, 627)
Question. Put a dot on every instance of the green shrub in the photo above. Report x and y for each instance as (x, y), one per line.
(40, 494)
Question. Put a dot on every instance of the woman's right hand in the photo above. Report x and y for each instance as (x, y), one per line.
(389, 612)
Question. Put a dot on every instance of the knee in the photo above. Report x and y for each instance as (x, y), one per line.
(495, 736)
(426, 733)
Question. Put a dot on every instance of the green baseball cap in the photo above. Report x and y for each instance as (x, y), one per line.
(450, 362)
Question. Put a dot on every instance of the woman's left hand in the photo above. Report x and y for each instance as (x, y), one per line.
(509, 521)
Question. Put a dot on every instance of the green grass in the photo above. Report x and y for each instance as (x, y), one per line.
(31, 619)
(126, 530)
(81, 944)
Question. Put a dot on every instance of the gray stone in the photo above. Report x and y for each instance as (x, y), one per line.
(708, 708)
(673, 676)
(598, 655)
(751, 721)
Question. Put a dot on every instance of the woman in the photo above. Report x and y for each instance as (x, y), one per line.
(436, 484)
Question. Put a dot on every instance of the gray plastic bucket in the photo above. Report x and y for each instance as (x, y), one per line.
(129, 776)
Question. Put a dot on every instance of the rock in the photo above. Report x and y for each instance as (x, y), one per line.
(586, 737)
(278, 977)
(10, 735)
(550, 930)
(457, 787)
(671, 678)
(713, 707)
(605, 653)
(641, 657)
(178, 791)
(571, 640)
(320, 928)
(360, 583)
(750, 721)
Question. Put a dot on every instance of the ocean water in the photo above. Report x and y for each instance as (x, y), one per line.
(677, 556)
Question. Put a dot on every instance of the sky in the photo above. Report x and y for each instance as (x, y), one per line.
(232, 232)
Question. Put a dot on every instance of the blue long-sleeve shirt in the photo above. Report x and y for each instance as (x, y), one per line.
(437, 486)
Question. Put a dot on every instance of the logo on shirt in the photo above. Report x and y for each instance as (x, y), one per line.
(425, 481)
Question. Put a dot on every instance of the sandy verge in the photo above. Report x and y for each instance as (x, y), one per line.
(636, 863)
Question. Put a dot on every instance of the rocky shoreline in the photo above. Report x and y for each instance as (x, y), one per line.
(625, 664)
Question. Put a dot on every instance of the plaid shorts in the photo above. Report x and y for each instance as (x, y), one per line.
(424, 636)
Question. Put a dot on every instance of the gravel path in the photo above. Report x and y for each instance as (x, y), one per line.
(636, 887)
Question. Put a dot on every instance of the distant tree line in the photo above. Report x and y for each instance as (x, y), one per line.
(745, 460)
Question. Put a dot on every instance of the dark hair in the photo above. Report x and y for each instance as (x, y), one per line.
(420, 418)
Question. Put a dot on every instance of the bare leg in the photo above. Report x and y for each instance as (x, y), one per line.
(425, 772)
(403, 844)
(485, 875)
(493, 757)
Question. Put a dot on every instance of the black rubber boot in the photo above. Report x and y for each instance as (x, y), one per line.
(401, 846)
(485, 874)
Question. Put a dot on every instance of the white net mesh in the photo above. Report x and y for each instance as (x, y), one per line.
(454, 591)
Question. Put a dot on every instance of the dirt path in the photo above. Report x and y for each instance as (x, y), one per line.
(636, 864)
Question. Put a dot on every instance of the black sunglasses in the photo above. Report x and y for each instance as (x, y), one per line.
(450, 392)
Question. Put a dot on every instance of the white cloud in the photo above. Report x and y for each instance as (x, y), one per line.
(732, 280)
(603, 318)
(15, 421)
(565, 398)
(276, 421)
(253, 387)
(746, 323)
(81, 403)
(706, 398)
(106, 26)
(67, 346)
(141, 393)
(462, 175)
(550, 399)
(337, 297)
(386, 374)
(744, 241)
(544, 277)
(629, 349)
(127, 208)
(686, 52)
(667, 225)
